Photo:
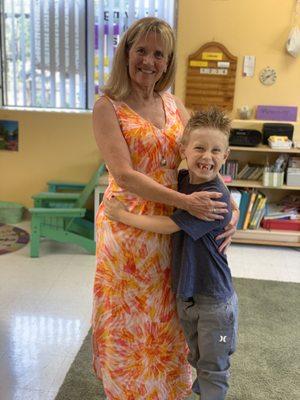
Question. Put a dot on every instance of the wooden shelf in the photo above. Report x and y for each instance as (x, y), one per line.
(259, 155)
(268, 237)
(263, 148)
(258, 184)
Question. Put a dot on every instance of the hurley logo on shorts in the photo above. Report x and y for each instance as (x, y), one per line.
(222, 339)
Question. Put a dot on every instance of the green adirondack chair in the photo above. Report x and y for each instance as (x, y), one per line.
(62, 217)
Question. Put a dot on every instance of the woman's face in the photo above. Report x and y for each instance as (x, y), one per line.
(147, 61)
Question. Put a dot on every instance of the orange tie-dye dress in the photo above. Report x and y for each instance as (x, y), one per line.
(139, 349)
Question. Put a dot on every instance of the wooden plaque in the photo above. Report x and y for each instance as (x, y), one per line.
(211, 78)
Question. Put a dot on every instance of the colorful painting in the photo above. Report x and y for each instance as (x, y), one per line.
(9, 135)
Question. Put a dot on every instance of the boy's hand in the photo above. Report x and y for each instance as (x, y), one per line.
(113, 208)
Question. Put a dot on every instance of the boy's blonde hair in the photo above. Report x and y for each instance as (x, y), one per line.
(212, 118)
(118, 86)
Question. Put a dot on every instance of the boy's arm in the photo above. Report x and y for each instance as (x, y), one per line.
(153, 223)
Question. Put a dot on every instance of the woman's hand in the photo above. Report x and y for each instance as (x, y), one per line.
(113, 208)
(229, 231)
(204, 206)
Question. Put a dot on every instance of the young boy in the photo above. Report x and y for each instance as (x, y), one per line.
(201, 278)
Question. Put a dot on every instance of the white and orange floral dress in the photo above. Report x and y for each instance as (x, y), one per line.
(139, 349)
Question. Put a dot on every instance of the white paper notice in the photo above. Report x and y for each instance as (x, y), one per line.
(249, 65)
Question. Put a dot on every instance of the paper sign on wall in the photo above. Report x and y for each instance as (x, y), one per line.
(249, 65)
(196, 63)
(212, 56)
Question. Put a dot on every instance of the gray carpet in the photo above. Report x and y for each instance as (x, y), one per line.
(266, 364)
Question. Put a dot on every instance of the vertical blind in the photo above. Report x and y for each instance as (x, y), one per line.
(57, 53)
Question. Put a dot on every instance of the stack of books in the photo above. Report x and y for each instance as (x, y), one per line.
(252, 205)
(284, 215)
(230, 168)
(251, 172)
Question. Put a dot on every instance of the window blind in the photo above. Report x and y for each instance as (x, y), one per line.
(58, 53)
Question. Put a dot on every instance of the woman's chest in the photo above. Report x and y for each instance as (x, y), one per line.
(155, 117)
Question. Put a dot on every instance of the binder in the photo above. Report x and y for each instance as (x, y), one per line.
(236, 195)
(259, 213)
(243, 208)
(249, 209)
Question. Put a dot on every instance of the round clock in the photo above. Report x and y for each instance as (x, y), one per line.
(268, 76)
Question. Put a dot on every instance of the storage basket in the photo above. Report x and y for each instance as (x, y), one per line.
(10, 213)
(273, 179)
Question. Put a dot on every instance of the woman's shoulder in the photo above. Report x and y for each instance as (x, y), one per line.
(104, 105)
(105, 112)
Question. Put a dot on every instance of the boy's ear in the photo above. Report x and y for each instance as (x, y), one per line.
(182, 151)
(226, 154)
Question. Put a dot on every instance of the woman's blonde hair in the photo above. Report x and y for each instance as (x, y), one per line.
(118, 86)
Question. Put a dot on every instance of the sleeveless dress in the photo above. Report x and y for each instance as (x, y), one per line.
(139, 349)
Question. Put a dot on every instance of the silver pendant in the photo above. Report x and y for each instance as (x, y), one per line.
(163, 162)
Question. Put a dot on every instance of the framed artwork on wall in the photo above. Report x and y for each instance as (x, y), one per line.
(9, 135)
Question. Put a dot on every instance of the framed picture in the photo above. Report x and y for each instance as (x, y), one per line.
(9, 135)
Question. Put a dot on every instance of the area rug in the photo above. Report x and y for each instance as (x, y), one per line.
(265, 366)
(12, 238)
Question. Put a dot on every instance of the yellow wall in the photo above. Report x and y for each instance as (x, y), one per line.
(52, 145)
(61, 145)
(245, 27)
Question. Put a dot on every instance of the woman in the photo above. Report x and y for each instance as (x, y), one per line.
(139, 349)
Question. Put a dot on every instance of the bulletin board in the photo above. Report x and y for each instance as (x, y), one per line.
(211, 75)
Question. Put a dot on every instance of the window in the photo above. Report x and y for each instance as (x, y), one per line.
(57, 53)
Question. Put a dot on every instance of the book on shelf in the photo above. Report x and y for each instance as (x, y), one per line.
(230, 168)
(237, 196)
(249, 209)
(259, 213)
(256, 174)
(276, 211)
(259, 195)
(243, 171)
(287, 208)
(281, 224)
(243, 208)
(251, 172)
(251, 205)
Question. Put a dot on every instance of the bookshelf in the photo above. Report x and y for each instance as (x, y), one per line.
(260, 155)
(251, 154)
(258, 184)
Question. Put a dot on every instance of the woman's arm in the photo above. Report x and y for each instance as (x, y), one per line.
(115, 153)
(115, 211)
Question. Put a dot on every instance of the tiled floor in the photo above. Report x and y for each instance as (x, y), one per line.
(45, 307)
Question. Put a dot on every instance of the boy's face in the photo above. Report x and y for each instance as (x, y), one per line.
(205, 152)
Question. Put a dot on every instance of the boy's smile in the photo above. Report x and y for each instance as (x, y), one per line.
(205, 152)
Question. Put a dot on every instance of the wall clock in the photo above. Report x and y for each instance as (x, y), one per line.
(267, 76)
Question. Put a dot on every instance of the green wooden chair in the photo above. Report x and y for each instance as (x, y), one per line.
(62, 217)
(58, 186)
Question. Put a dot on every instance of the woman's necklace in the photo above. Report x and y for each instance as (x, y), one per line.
(162, 142)
(163, 162)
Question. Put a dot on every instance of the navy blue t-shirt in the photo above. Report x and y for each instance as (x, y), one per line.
(197, 265)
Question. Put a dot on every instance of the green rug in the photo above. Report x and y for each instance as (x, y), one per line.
(266, 364)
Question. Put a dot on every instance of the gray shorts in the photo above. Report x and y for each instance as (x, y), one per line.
(210, 329)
